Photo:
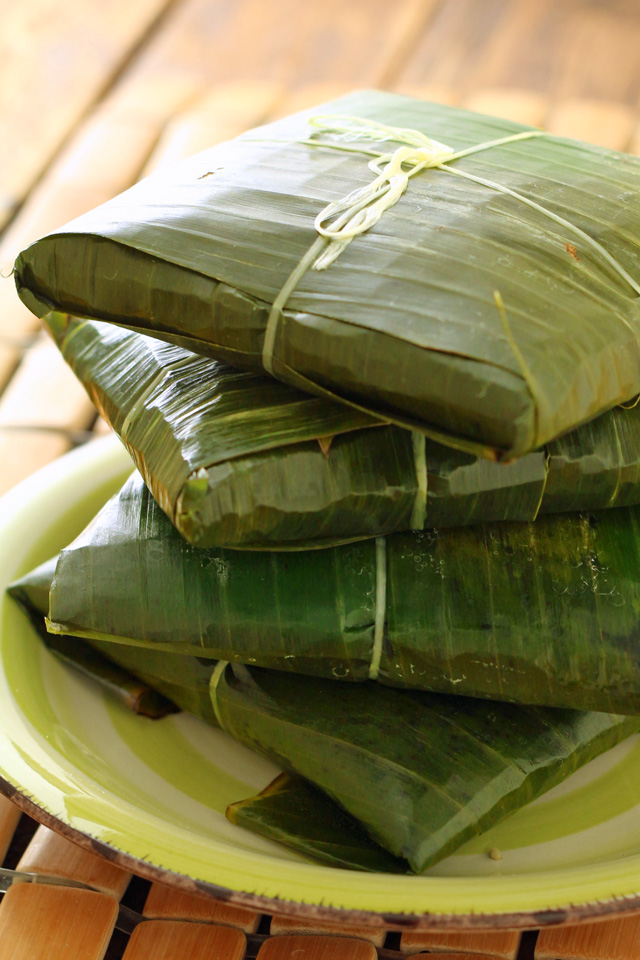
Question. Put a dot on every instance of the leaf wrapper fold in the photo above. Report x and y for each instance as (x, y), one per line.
(236, 460)
(404, 326)
(453, 767)
(292, 811)
(544, 612)
(144, 680)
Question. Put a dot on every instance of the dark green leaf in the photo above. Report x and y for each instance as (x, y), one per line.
(236, 460)
(293, 812)
(405, 324)
(544, 612)
(423, 773)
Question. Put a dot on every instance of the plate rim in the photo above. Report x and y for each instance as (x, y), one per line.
(619, 905)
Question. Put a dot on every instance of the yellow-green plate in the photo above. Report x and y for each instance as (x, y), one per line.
(152, 794)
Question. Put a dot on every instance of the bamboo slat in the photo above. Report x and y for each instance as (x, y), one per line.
(297, 44)
(501, 943)
(168, 903)
(56, 60)
(181, 940)
(10, 356)
(435, 92)
(227, 111)
(43, 401)
(606, 940)
(101, 428)
(316, 948)
(292, 925)
(570, 49)
(599, 53)
(598, 121)
(457, 955)
(522, 106)
(50, 853)
(9, 817)
(309, 96)
(102, 159)
(55, 923)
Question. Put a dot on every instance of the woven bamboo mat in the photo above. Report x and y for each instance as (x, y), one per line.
(138, 84)
(124, 138)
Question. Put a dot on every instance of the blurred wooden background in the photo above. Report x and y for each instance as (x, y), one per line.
(95, 92)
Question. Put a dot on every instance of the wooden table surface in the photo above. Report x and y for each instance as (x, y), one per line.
(95, 92)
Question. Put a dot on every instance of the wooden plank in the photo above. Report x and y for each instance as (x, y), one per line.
(289, 43)
(597, 121)
(437, 93)
(600, 52)
(101, 428)
(43, 393)
(46, 922)
(311, 95)
(470, 46)
(291, 925)
(462, 956)
(104, 157)
(180, 940)
(522, 106)
(503, 943)
(606, 940)
(572, 48)
(168, 903)
(56, 60)
(10, 356)
(317, 948)
(228, 110)
(50, 853)
(9, 817)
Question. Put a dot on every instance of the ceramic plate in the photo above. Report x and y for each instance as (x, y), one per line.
(152, 794)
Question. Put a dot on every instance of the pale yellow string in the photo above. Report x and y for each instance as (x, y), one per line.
(419, 512)
(216, 676)
(343, 220)
(381, 607)
(362, 208)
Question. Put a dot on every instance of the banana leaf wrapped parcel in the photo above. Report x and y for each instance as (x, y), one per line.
(239, 460)
(541, 613)
(456, 274)
(453, 767)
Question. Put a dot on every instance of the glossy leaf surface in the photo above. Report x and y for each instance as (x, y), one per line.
(405, 324)
(423, 773)
(236, 460)
(544, 612)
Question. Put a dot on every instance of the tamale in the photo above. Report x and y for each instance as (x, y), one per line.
(452, 767)
(292, 811)
(494, 307)
(146, 681)
(542, 613)
(31, 592)
(235, 459)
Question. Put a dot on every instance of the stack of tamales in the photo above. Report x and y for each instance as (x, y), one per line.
(376, 365)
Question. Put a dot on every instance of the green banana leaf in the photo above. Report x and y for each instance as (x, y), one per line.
(146, 681)
(453, 767)
(234, 459)
(292, 811)
(495, 307)
(544, 612)
(422, 773)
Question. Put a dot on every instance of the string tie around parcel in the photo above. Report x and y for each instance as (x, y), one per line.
(356, 213)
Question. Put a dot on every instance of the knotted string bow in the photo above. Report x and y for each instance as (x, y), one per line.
(340, 221)
(361, 209)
